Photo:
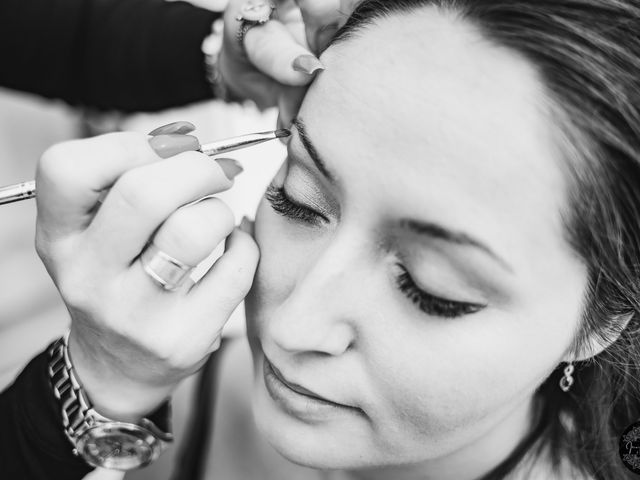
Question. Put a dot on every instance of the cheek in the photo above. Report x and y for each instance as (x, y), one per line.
(444, 383)
(275, 276)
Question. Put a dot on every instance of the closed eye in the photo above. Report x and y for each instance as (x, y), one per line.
(285, 206)
(431, 304)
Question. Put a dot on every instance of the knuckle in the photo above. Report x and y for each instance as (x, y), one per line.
(198, 228)
(219, 214)
(75, 289)
(184, 240)
(181, 233)
(42, 245)
(130, 190)
(56, 161)
(128, 145)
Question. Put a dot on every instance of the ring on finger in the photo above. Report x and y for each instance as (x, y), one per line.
(167, 271)
(252, 13)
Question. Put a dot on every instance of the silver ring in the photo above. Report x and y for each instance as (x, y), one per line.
(252, 13)
(165, 270)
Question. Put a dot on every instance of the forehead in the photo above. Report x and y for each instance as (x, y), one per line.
(429, 79)
(426, 101)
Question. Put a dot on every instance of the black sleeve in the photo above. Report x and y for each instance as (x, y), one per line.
(32, 442)
(127, 55)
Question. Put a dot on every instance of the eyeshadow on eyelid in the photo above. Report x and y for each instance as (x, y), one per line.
(300, 185)
(434, 262)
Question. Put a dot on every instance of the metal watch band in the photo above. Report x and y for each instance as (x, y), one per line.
(66, 388)
(77, 411)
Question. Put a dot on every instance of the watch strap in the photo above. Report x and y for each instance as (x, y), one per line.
(67, 389)
(77, 411)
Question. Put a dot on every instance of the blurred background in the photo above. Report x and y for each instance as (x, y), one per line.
(31, 313)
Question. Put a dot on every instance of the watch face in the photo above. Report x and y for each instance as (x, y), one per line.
(120, 446)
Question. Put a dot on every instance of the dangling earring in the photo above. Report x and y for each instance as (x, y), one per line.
(567, 379)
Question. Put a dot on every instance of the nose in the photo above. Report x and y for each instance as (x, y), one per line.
(320, 312)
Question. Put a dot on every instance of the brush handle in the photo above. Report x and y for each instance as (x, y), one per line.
(15, 193)
(165, 146)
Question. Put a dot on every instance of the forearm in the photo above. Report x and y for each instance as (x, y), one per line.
(127, 55)
(32, 439)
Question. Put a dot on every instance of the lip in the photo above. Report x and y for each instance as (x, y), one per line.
(296, 399)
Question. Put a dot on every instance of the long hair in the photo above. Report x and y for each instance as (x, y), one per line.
(587, 53)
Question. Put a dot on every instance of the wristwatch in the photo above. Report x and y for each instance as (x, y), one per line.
(100, 441)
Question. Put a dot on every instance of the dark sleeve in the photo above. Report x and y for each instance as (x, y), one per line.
(32, 442)
(127, 55)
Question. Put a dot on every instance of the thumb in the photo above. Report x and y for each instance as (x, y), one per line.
(273, 50)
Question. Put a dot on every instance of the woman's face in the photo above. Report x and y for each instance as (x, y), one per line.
(415, 286)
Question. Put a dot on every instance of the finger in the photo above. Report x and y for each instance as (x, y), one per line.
(172, 144)
(181, 128)
(322, 20)
(257, 86)
(226, 284)
(144, 197)
(247, 226)
(71, 176)
(191, 234)
(272, 49)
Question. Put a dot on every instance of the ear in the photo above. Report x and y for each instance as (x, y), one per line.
(596, 344)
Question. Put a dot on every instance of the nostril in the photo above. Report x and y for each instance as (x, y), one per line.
(319, 334)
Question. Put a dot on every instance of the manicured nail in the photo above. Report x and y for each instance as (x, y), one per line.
(308, 64)
(176, 127)
(230, 167)
(246, 225)
(169, 145)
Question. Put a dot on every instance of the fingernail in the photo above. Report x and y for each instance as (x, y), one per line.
(169, 145)
(230, 167)
(176, 127)
(246, 225)
(308, 64)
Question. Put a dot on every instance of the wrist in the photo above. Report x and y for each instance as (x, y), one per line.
(99, 440)
(112, 393)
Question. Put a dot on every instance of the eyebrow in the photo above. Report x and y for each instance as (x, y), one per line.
(311, 149)
(421, 228)
(458, 238)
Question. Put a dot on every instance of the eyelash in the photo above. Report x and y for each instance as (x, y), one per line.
(429, 304)
(283, 205)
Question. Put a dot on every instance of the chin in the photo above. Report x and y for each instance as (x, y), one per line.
(312, 451)
(326, 446)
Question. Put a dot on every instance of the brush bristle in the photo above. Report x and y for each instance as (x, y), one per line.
(283, 132)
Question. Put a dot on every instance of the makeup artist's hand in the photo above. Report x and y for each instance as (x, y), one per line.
(131, 341)
(275, 63)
